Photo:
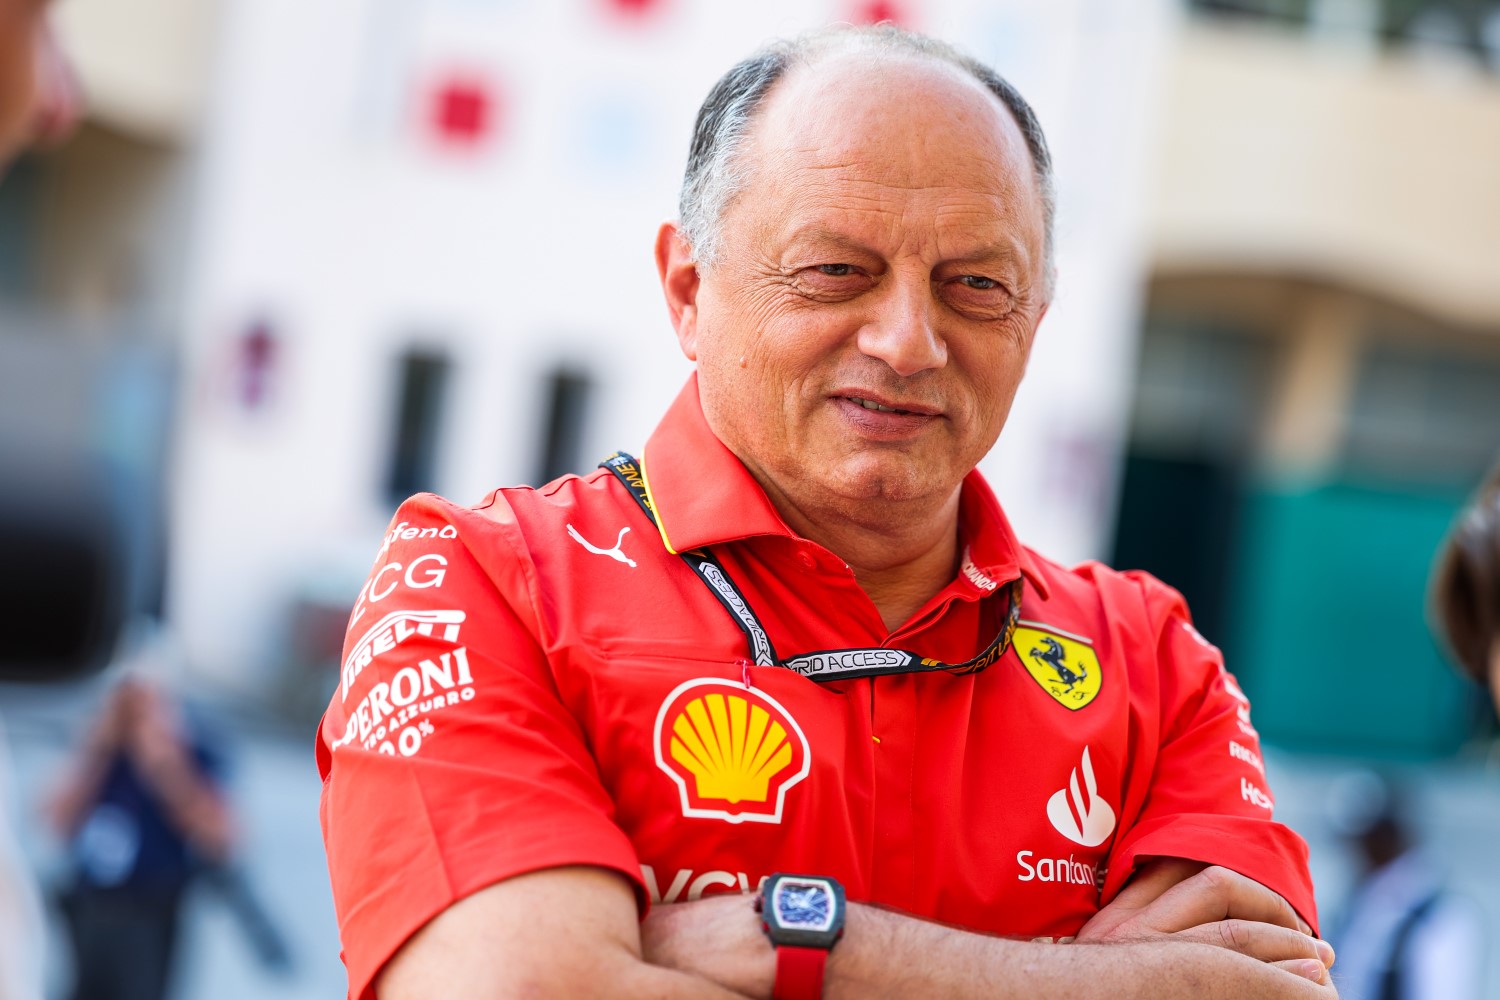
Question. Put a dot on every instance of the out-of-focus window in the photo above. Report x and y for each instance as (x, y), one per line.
(1199, 403)
(1471, 26)
(1200, 390)
(568, 393)
(1422, 415)
(422, 386)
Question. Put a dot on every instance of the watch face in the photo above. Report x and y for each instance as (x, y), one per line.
(804, 904)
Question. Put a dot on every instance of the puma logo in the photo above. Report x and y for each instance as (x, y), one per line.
(615, 553)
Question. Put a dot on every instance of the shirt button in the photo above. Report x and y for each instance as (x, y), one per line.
(806, 559)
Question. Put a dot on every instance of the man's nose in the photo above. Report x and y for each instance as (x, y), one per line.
(902, 333)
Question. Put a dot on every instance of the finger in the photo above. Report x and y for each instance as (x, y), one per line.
(1146, 885)
(1216, 894)
(1309, 969)
(1262, 941)
(1156, 876)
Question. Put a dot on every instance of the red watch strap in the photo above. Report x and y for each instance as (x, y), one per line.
(799, 973)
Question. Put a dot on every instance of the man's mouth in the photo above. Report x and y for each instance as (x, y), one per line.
(870, 404)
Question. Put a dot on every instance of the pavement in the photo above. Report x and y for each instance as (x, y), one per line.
(274, 787)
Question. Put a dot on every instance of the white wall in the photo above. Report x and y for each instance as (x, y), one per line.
(1287, 156)
(325, 209)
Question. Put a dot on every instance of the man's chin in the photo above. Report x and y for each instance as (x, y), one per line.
(888, 479)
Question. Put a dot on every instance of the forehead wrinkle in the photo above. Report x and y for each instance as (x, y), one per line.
(895, 180)
(986, 221)
(970, 171)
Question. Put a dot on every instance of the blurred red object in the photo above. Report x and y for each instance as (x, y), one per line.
(876, 11)
(463, 110)
(635, 8)
(257, 359)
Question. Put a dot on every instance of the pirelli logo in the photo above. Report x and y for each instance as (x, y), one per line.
(393, 630)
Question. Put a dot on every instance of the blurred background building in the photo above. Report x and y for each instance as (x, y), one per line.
(305, 259)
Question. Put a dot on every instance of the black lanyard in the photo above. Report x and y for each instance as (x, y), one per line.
(822, 664)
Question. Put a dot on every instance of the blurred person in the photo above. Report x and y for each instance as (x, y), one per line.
(37, 103)
(547, 725)
(143, 812)
(1466, 587)
(1403, 934)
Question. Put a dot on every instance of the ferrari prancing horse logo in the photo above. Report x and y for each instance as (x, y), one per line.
(1064, 664)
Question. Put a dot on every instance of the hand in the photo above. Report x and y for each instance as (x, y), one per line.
(1190, 901)
(718, 938)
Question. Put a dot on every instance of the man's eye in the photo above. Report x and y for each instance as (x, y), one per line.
(979, 282)
(836, 270)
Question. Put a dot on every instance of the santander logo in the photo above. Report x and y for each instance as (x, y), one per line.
(1080, 814)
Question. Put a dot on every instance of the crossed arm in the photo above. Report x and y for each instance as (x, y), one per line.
(1178, 930)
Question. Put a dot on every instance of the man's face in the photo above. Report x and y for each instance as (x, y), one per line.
(887, 250)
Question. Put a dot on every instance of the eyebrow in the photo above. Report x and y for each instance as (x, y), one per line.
(1011, 252)
(822, 237)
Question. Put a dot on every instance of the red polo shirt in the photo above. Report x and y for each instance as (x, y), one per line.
(539, 681)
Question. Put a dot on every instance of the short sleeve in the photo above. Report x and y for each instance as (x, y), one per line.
(1208, 799)
(448, 760)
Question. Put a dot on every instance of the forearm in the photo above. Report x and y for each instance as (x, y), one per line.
(886, 954)
(614, 973)
(889, 954)
(68, 806)
(558, 933)
(195, 806)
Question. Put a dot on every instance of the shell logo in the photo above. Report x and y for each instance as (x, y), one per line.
(733, 751)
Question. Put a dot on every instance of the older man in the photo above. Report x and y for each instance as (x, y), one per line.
(798, 636)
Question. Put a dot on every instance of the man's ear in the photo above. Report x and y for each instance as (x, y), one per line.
(679, 283)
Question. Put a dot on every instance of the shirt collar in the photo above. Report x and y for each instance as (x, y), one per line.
(703, 495)
(701, 491)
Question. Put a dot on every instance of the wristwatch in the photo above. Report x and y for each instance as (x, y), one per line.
(803, 915)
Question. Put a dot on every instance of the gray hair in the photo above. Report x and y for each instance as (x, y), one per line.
(716, 174)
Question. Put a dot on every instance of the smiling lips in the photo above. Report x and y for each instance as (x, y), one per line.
(912, 410)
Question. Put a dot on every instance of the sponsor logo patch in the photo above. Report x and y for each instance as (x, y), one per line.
(423, 572)
(1253, 794)
(1078, 813)
(395, 715)
(973, 575)
(1064, 664)
(394, 629)
(1241, 752)
(733, 751)
(1068, 870)
(688, 884)
(616, 552)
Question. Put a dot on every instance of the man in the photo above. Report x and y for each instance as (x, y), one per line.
(143, 813)
(1403, 933)
(799, 636)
